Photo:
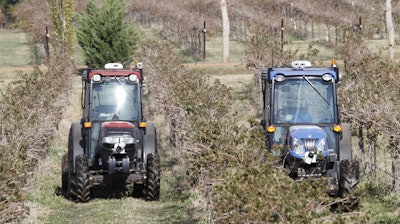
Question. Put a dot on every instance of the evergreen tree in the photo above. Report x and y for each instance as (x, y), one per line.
(104, 35)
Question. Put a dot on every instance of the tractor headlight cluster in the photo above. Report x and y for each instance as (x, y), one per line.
(327, 77)
(298, 147)
(321, 146)
(280, 78)
(118, 139)
(96, 78)
(132, 78)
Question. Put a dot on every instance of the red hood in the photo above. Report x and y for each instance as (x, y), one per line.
(117, 124)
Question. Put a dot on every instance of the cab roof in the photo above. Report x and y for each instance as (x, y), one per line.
(114, 72)
(299, 69)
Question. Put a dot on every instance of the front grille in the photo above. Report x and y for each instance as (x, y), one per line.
(309, 143)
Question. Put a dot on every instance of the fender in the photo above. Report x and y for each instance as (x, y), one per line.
(345, 143)
(149, 141)
(75, 143)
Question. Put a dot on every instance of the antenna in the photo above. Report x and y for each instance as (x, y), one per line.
(90, 56)
(272, 59)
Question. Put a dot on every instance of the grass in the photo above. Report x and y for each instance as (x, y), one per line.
(15, 48)
(14, 54)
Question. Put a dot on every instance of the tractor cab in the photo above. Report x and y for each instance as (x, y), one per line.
(303, 128)
(112, 95)
(300, 109)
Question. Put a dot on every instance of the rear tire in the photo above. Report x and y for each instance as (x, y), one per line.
(151, 191)
(82, 184)
(65, 174)
(349, 179)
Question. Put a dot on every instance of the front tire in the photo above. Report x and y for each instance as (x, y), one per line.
(82, 184)
(152, 189)
(349, 179)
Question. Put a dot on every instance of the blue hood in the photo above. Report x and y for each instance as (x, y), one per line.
(309, 138)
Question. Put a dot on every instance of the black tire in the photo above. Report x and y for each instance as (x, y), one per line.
(81, 179)
(65, 174)
(349, 179)
(151, 191)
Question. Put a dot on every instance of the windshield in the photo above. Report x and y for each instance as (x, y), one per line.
(303, 101)
(115, 99)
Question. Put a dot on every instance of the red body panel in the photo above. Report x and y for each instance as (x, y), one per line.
(117, 124)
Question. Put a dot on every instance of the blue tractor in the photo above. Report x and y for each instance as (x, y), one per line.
(303, 129)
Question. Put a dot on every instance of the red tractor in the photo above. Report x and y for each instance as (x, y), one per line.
(113, 144)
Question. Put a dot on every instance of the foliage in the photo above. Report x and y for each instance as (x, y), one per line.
(7, 6)
(33, 17)
(27, 132)
(62, 13)
(225, 161)
(368, 85)
(104, 35)
(32, 106)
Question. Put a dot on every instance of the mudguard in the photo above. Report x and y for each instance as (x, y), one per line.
(75, 141)
(345, 152)
(149, 141)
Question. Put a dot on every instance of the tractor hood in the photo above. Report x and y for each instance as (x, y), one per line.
(117, 136)
(307, 142)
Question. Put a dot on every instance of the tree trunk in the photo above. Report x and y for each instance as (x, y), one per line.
(225, 31)
(390, 29)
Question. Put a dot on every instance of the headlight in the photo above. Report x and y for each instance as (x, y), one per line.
(97, 78)
(132, 78)
(280, 78)
(298, 147)
(321, 146)
(117, 139)
(327, 77)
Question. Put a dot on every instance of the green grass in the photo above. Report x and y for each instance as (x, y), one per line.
(15, 48)
(14, 55)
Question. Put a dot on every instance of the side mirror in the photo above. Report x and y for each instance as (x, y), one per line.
(263, 123)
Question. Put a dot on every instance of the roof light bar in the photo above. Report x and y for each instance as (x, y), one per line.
(301, 64)
(113, 66)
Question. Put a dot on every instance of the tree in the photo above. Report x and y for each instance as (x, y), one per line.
(33, 16)
(7, 8)
(104, 35)
(62, 12)
(390, 28)
(225, 31)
